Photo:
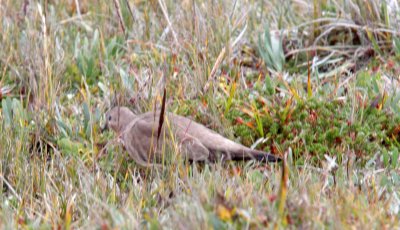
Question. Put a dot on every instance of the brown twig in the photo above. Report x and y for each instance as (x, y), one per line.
(162, 113)
(119, 13)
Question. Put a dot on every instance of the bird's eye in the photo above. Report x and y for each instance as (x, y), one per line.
(109, 118)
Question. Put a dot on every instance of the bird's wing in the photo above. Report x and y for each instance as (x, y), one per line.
(216, 143)
(140, 139)
(193, 149)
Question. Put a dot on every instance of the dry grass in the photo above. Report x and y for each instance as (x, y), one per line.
(266, 72)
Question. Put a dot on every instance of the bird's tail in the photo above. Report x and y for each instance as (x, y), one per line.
(231, 150)
(252, 154)
(238, 152)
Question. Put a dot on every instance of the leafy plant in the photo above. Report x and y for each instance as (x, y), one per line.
(86, 54)
(396, 46)
(271, 50)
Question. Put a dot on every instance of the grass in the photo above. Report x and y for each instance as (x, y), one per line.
(315, 82)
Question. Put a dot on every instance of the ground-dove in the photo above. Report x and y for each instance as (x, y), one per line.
(140, 134)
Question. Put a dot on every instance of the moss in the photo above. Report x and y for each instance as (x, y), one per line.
(318, 127)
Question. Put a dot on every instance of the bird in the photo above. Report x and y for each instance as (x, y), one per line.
(139, 134)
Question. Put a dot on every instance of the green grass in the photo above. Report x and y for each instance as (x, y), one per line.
(315, 82)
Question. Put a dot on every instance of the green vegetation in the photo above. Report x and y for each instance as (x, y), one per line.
(316, 82)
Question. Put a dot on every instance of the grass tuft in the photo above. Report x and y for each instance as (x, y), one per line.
(314, 81)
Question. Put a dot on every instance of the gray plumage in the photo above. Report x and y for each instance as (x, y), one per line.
(193, 140)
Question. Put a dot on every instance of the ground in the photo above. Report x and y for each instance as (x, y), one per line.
(314, 82)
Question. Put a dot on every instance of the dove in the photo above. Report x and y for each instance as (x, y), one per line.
(139, 135)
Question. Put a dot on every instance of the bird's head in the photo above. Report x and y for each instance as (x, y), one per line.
(118, 118)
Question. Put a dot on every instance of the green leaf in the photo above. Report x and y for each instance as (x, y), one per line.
(86, 120)
(64, 128)
(396, 42)
(18, 110)
(395, 157)
(69, 147)
(385, 158)
(271, 50)
(127, 82)
(6, 106)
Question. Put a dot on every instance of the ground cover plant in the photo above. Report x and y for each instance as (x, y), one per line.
(315, 82)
